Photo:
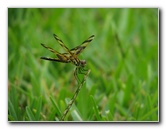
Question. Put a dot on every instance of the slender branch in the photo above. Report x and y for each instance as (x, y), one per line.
(74, 96)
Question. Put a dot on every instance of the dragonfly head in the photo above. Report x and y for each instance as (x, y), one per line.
(83, 62)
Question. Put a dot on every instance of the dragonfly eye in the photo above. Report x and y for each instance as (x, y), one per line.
(83, 62)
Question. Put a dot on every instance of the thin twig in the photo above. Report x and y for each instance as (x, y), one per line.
(74, 96)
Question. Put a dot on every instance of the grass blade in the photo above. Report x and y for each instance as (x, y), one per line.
(56, 107)
(97, 114)
(30, 114)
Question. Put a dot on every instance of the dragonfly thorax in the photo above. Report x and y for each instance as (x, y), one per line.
(82, 62)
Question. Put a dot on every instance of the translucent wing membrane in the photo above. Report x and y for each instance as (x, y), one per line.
(70, 55)
(54, 59)
(62, 57)
(62, 44)
(77, 50)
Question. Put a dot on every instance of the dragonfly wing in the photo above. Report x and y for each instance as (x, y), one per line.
(54, 59)
(50, 49)
(77, 50)
(61, 43)
(62, 57)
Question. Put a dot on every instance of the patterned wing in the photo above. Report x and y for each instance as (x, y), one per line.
(62, 57)
(77, 50)
(62, 44)
(54, 59)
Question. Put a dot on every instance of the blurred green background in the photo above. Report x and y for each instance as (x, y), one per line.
(123, 59)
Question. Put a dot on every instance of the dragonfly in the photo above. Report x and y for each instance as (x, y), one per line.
(70, 56)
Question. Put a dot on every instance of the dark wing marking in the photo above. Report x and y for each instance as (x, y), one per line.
(54, 59)
(62, 57)
(77, 50)
(50, 49)
(62, 44)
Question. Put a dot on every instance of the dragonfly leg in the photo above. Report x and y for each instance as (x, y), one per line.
(76, 74)
(82, 70)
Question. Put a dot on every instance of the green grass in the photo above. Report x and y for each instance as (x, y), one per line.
(122, 84)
